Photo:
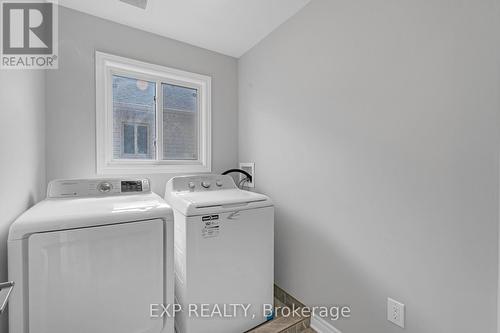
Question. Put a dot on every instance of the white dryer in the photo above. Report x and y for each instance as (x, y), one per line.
(224, 254)
(92, 257)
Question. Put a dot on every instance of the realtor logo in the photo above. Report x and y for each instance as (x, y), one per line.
(29, 34)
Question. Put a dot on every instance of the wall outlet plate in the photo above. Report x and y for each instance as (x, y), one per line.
(250, 168)
(396, 312)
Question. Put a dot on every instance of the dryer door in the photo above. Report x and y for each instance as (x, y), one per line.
(100, 279)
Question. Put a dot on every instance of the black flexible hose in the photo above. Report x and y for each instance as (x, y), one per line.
(239, 171)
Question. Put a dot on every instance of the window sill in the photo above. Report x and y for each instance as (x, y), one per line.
(135, 169)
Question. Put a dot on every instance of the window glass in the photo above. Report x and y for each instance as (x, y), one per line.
(134, 118)
(142, 139)
(128, 139)
(180, 122)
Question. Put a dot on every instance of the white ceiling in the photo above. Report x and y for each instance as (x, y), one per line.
(230, 27)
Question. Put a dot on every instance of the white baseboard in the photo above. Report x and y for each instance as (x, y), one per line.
(321, 325)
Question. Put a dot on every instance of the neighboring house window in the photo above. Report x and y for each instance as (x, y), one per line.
(135, 141)
(151, 119)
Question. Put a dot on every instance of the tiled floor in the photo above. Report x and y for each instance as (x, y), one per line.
(287, 323)
(282, 324)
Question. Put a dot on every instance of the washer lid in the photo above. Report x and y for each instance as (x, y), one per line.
(188, 195)
(71, 213)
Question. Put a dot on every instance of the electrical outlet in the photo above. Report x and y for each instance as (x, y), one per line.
(396, 312)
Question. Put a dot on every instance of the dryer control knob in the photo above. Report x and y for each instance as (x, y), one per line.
(191, 185)
(105, 187)
(205, 184)
(218, 183)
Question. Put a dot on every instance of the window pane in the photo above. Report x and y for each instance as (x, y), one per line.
(180, 122)
(134, 106)
(142, 139)
(128, 139)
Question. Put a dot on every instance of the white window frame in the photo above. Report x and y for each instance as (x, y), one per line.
(107, 65)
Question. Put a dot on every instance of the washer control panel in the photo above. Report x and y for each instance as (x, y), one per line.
(200, 183)
(97, 187)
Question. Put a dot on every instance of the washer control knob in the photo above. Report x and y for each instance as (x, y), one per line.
(191, 185)
(105, 187)
(218, 183)
(205, 184)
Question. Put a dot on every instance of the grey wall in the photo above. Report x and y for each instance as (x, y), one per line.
(71, 91)
(374, 126)
(22, 151)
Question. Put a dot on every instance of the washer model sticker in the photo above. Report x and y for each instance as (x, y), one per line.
(210, 226)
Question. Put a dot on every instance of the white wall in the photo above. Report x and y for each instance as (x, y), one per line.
(71, 91)
(22, 148)
(374, 126)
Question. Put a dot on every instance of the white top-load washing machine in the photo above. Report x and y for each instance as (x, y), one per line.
(92, 258)
(224, 254)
